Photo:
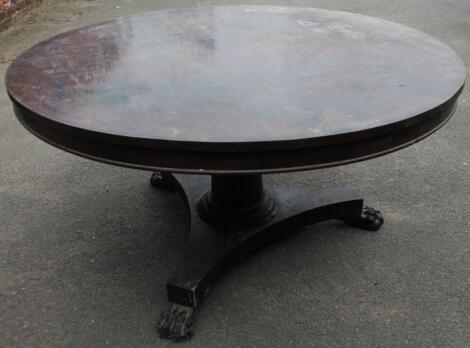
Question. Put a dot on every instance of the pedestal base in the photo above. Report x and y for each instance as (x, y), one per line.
(217, 241)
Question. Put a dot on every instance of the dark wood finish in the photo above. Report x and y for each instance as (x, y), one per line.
(236, 201)
(238, 89)
(212, 248)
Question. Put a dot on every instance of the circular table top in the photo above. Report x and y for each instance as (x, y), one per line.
(236, 89)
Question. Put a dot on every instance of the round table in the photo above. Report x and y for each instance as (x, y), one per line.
(237, 92)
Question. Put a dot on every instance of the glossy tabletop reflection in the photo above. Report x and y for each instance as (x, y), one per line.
(236, 78)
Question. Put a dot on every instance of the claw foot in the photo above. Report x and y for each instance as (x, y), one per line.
(161, 181)
(176, 323)
(371, 219)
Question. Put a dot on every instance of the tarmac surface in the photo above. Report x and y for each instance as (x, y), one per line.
(86, 248)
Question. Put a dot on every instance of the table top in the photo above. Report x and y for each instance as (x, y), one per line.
(236, 89)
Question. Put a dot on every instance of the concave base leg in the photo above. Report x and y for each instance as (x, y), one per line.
(162, 180)
(213, 247)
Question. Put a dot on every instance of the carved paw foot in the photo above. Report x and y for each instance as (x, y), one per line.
(176, 323)
(161, 181)
(371, 219)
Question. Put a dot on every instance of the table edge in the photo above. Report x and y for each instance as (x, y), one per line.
(262, 161)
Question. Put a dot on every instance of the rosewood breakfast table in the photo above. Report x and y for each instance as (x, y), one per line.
(212, 98)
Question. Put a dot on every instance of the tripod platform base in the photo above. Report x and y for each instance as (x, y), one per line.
(233, 219)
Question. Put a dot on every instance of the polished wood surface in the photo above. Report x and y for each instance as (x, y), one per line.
(214, 89)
